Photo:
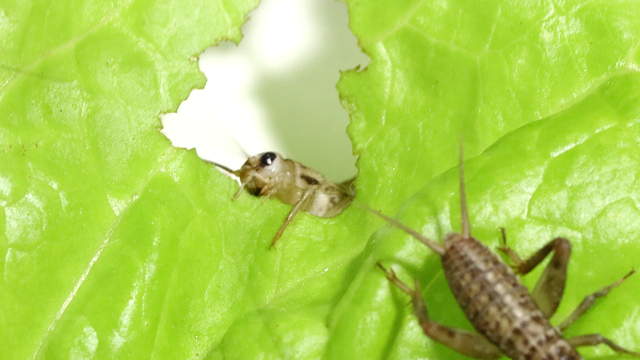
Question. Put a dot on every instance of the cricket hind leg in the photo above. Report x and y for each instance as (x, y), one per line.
(548, 291)
(464, 342)
(589, 300)
(597, 339)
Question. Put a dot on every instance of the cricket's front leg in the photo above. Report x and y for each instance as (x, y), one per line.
(309, 194)
(236, 195)
(550, 287)
(266, 191)
(464, 342)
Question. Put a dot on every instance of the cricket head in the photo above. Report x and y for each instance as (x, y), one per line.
(260, 171)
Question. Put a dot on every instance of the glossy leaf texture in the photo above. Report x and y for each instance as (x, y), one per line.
(575, 177)
(442, 70)
(544, 96)
(98, 210)
(116, 245)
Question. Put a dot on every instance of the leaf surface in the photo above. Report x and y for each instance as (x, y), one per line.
(546, 93)
(116, 245)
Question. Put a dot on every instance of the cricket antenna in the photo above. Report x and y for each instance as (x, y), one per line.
(232, 172)
(244, 152)
(437, 248)
(464, 213)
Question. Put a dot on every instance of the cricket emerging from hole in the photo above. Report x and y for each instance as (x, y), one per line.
(510, 321)
(271, 175)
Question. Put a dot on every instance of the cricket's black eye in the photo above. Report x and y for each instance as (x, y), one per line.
(267, 158)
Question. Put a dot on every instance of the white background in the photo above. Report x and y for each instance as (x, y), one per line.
(276, 90)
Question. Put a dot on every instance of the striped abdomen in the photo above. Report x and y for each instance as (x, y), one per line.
(498, 306)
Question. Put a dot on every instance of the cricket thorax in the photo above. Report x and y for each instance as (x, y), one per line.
(499, 306)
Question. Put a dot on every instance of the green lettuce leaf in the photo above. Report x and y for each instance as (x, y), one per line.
(113, 244)
(96, 204)
(574, 177)
(547, 94)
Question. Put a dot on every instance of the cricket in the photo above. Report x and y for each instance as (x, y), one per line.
(508, 319)
(269, 174)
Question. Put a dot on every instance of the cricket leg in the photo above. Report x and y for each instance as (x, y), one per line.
(464, 342)
(266, 191)
(597, 339)
(292, 213)
(589, 300)
(509, 252)
(236, 195)
(550, 287)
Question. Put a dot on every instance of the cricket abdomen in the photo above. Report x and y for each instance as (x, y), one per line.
(498, 305)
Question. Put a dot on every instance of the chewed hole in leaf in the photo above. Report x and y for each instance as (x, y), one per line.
(275, 91)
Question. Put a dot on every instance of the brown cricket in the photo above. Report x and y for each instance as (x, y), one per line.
(510, 321)
(269, 174)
